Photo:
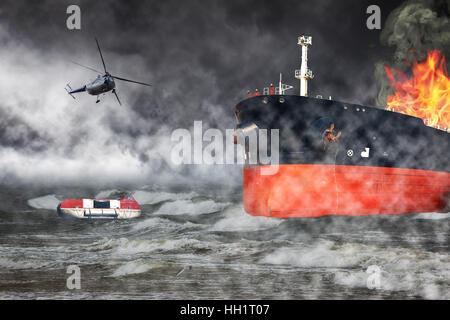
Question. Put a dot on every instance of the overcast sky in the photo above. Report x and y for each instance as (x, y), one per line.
(201, 57)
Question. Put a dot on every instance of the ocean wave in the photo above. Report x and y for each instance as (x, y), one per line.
(165, 224)
(399, 269)
(102, 244)
(136, 267)
(237, 220)
(189, 207)
(17, 263)
(322, 254)
(210, 251)
(49, 202)
(125, 246)
(432, 216)
(146, 197)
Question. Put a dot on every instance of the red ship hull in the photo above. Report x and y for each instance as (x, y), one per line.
(305, 190)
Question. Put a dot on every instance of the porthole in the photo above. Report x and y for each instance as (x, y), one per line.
(265, 100)
(281, 100)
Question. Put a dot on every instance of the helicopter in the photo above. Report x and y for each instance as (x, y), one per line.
(102, 84)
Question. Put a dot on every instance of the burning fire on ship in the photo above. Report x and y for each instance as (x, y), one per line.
(426, 94)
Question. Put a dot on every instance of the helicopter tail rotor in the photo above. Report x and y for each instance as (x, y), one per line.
(68, 88)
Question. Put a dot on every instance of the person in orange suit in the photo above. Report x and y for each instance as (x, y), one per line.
(256, 92)
(330, 137)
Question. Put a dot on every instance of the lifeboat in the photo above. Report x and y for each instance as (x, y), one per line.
(126, 207)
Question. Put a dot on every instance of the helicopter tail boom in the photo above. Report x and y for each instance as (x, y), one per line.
(70, 90)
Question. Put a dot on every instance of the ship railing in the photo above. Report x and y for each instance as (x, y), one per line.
(267, 91)
(89, 214)
(437, 126)
(272, 90)
(304, 40)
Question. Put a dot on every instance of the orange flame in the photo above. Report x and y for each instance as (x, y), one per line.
(426, 95)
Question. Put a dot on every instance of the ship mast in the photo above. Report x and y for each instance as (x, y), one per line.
(304, 74)
(282, 87)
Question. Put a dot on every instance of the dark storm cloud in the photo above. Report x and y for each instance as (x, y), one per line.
(201, 57)
(211, 50)
(15, 133)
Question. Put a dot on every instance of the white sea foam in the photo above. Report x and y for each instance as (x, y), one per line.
(158, 223)
(16, 263)
(432, 216)
(139, 248)
(152, 223)
(189, 207)
(401, 269)
(146, 197)
(102, 245)
(127, 247)
(322, 254)
(49, 202)
(135, 267)
(237, 220)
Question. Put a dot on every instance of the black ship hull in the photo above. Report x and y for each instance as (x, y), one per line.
(382, 162)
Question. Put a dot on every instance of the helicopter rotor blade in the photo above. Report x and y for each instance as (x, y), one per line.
(123, 79)
(101, 56)
(92, 69)
(114, 91)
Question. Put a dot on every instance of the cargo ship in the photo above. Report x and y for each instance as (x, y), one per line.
(337, 158)
(125, 207)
